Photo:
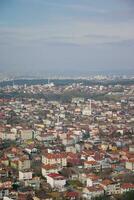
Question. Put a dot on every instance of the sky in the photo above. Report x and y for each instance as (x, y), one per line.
(67, 37)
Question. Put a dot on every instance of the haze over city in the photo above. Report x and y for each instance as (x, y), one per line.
(66, 37)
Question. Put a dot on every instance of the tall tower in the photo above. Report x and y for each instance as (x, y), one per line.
(90, 107)
(87, 110)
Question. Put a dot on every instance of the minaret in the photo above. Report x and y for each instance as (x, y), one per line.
(90, 107)
(58, 119)
(14, 85)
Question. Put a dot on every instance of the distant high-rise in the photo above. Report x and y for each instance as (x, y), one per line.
(87, 110)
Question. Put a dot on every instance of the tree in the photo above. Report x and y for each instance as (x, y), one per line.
(102, 198)
(29, 197)
(128, 196)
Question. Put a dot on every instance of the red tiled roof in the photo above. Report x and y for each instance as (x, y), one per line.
(55, 156)
(95, 188)
(56, 176)
(72, 194)
(127, 186)
(93, 177)
(106, 182)
(48, 167)
(91, 162)
(131, 160)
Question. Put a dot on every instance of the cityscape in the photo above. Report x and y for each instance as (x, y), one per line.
(67, 100)
(67, 140)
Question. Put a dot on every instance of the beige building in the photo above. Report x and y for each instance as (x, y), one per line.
(24, 163)
(26, 134)
(130, 164)
(57, 158)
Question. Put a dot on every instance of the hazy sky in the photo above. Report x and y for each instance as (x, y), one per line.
(66, 36)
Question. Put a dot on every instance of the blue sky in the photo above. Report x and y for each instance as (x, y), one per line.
(66, 36)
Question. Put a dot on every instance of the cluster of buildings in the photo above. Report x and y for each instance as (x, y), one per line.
(79, 149)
